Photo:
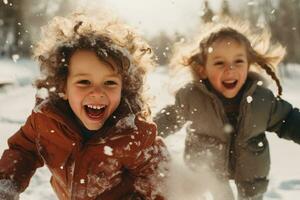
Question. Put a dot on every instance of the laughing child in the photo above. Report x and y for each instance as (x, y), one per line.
(229, 109)
(91, 131)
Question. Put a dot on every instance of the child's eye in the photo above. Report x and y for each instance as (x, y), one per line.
(110, 83)
(83, 82)
(239, 61)
(219, 63)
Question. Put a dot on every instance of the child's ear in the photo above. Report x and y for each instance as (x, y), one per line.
(65, 96)
(202, 72)
(63, 93)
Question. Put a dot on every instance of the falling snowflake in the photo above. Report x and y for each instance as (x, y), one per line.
(249, 99)
(260, 144)
(273, 11)
(260, 83)
(5, 1)
(210, 50)
(228, 128)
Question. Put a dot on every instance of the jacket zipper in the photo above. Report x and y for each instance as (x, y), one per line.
(76, 166)
(224, 119)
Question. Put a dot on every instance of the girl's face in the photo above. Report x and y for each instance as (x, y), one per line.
(226, 66)
(93, 89)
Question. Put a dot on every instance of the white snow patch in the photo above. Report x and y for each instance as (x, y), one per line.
(15, 57)
(127, 122)
(42, 93)
(108, 150)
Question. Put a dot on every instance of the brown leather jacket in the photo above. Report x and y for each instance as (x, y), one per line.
(111, 165)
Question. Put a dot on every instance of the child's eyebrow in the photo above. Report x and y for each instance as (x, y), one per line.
(80, 74)
(220, 56)
(112, 75)
(240, 55)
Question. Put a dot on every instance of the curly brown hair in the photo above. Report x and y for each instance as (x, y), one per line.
(131, 55)
(260, 52)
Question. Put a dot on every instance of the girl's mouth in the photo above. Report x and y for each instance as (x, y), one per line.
(229, 84)
(95, 112)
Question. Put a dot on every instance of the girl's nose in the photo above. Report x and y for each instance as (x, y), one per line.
(97, 92)
(229, 67)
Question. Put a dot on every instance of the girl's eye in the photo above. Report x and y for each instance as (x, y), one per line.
(83, 82)
(110, 83)
(239, 61)
(219, 63)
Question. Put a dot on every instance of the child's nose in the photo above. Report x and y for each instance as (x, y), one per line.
(229, 67)
(97, 92)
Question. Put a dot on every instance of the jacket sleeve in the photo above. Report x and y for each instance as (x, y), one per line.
(284, 120)
(19, 162)
(171, 118)
(147, 162)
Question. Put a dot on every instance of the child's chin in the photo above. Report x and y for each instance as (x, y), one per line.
(230, 95)
(93, 127)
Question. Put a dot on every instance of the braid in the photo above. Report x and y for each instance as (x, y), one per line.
(263, 63)
(270, 72)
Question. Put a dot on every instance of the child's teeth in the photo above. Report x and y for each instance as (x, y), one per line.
(95, 107)
(232, 81)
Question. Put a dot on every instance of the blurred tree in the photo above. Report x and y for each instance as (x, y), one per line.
(207, 13)
(283, 19)
(285, 27)
(20, 22)
(37, 13)
(162, 44)
(225, 9)
(11, 33)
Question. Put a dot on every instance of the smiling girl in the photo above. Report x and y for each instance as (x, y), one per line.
(92, 130)
(230, 109)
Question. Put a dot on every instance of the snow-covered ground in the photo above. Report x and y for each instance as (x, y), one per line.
(16, 102)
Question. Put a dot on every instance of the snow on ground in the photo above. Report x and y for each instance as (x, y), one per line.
(16, 102)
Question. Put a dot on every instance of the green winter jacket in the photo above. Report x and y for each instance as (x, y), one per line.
(209, 139)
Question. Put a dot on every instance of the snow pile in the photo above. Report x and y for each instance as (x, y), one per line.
(190, 185)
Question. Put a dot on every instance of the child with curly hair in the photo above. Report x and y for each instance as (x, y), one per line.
(230, 109)
(92, 129)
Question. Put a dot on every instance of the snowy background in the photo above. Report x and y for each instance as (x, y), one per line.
(17, 100)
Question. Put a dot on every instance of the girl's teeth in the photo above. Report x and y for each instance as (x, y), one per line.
(95, 107)
(230, 81)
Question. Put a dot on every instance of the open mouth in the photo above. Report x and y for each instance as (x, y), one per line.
(95, 112)
(229, 84)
